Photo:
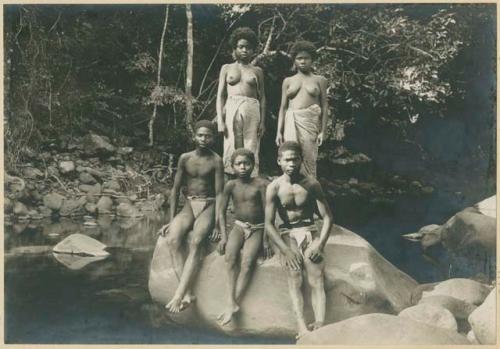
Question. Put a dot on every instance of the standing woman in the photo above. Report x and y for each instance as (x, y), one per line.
(241, 101)
(304, 107)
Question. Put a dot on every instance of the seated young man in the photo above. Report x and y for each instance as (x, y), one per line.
(248, 195)
(296, 198)
(201, 174)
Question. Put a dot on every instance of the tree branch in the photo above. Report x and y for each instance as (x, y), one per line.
(158, 77)
(216, 54)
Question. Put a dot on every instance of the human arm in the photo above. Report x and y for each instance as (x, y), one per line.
(226, 194)
(324, 211)
(268, 251)
(221, 101)
(176, 187)
(262, 102)
(219, 186)
(324, 110)
(293, 259)
(281, 115)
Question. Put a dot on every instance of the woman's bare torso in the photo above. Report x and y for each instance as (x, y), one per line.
(303, 91)
(241, 80)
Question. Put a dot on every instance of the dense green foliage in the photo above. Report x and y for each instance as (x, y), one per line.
(73, 68)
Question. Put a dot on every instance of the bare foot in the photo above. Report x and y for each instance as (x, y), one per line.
(315, 325)
(226, 317)
(175, 305)
(187, 300)
(302, 334)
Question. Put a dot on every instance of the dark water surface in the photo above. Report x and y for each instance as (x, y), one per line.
(108, 301)
(104, 302)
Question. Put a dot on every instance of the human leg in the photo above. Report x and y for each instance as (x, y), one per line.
(233, 247)
(295, 289)
(202, 226)
(248, 258)
(316, 280)
(179, 227)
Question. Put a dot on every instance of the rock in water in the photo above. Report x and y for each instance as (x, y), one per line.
(104, 205)
(127, 210)
(358, 281)
(73, 207)
(466, 290)
(53, 201)
(20, 209)
(483, 320)
(488, 206)
(431, 315)
(75, 262)
(7, 205)
(81, 245)
(382, 329)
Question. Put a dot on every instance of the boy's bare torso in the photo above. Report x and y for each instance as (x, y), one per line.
(248, 198)
(296, 200)
(200, 174)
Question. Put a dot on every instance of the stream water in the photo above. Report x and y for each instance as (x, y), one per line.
(62, 301)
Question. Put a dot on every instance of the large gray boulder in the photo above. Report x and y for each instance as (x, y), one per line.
(474, 228)
(483, 320)
(53, 201)
(104, 205)
(382, 329)
(459, 308)
(73, 207)
(469, 291)
(431, 315)
(358, 281)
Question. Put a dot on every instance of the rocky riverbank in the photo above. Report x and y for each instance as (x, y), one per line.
(87, 176)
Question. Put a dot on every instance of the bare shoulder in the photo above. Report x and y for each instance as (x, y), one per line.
(273, 186)
(186, 156)
(258, 69)
(216, 157)
(287, 80)
(261, 182)
(230, 184)
(321, 79)
(314, 185)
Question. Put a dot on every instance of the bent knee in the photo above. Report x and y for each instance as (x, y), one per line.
(247, 263)
(230, 259)
(195, 242)
(173, 242)
(316, 280)
(295, 274)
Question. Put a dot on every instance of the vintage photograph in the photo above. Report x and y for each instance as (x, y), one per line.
(250, 173)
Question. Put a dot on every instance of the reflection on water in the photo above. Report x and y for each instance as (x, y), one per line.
(64, 298)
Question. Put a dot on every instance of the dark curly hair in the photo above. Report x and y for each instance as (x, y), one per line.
(243, 152)
(243, 33)
(303, 46)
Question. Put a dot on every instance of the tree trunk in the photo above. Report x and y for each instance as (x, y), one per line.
(189, 68)
(158, 77)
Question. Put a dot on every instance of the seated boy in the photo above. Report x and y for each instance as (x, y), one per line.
(296, 198)
(248, 195)
(200, 174)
